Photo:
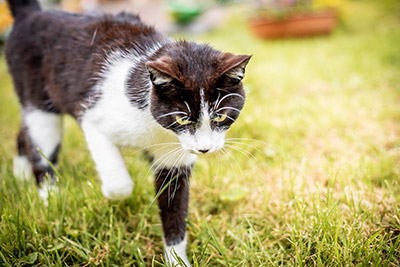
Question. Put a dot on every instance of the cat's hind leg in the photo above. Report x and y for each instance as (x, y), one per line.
(22, 166)
(39, 141)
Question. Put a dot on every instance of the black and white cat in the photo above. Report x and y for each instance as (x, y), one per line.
(126, 85)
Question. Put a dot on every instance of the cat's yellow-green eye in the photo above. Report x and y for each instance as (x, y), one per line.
(220, 117)
(182, 121)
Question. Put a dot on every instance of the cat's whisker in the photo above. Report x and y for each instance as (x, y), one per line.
(244, 144)
(171, 168)
(238, 166)
(172, 113)
(159, 160)
(229, 108)
(229, 95)
(230, 159)
(166, 177)
(155, 145)
(216, 102)
(188, 107)
(157, 164)
(164, 159)
(258, 141)
(168, 156)
(153, 170)
(224, 152)
(176, 180)
(183, 118)
(248, 154)
(234, 159)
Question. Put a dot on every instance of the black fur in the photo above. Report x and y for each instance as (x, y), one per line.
(173, 202)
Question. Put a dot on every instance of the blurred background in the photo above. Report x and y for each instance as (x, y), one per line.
(296, 17)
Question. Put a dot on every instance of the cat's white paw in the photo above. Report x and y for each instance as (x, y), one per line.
(176, 255)
(45, 189)
(22, 168)
(117, 189)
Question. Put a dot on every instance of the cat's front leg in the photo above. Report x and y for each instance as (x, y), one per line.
(172, 185)
(116, 182)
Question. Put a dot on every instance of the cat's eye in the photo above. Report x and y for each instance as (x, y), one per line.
(220, 117)
(182, 121)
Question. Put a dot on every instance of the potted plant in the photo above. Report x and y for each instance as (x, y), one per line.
(293, 18)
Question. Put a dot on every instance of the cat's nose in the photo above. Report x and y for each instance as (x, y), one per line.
(204, 150)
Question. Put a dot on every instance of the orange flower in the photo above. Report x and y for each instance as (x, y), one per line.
(5, 17)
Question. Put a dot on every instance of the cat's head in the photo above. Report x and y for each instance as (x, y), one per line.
(197, 93)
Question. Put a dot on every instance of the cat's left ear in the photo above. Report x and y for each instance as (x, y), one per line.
(234, 66)
(161, 71)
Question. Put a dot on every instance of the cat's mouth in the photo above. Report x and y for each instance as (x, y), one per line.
(202, 142)
(200, 151)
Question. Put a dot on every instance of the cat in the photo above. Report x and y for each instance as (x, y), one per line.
(126, 85)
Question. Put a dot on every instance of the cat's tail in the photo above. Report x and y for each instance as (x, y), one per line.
(22, 8)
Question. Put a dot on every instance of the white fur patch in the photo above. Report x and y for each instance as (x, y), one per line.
(45, 130)
(45, 189)
(172, 253)
(204, 139)
(22, 167)
(114, 115)
(116, 182)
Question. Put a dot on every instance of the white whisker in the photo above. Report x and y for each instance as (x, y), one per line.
(242, 143)
(187, 105)
(224, 152)
(240, 169)
(228, 95)
(229, 108)
(172, 113)
(176, 181)
(255, 140)
(244, 152)
(157, 164)
(216, 102)
(183, 118)
(155, 145)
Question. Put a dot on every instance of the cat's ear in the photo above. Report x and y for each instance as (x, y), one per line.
(234, 66)
(161, 71)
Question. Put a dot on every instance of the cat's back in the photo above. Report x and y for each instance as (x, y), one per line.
(57, 55)
(52, 30)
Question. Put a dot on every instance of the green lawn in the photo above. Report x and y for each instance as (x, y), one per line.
(320, 187)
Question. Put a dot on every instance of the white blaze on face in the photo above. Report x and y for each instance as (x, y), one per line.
(204, 139)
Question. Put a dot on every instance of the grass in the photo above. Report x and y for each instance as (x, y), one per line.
(325, 191)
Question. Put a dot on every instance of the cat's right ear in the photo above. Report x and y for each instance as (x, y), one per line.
(234, 66)
(160, 72)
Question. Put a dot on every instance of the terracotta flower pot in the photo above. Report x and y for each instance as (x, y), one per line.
(301, 25)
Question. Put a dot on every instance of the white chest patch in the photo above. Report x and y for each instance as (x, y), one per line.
(115, 116)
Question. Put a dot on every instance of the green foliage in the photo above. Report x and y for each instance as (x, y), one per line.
(319, 187)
